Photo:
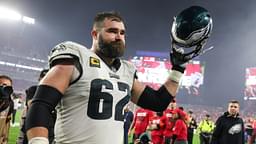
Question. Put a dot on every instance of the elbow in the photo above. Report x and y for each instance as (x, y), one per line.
(155, 100)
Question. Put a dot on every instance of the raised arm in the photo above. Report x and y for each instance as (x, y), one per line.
(189, 33)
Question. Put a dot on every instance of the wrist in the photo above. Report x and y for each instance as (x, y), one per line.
(178, 68)
(38, 140)
(175, 75)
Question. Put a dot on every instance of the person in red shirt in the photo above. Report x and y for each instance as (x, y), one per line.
(253, 137)
(179, 135)
(140, 122)
(156, 125)
(169, 122)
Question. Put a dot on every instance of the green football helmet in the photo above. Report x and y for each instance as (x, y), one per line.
(190, 29)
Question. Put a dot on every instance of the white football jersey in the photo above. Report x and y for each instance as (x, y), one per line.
(91, 110)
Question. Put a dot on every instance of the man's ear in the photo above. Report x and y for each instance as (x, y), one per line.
(94, 34)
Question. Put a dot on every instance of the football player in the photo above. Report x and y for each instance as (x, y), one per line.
(90, 87)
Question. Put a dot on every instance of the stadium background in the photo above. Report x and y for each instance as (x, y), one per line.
(148, 26)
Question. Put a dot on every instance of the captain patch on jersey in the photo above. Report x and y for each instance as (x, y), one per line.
(94, 62)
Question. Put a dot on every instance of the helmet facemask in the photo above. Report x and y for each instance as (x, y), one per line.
(190, 31)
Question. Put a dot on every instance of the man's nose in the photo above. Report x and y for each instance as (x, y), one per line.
(118, 36)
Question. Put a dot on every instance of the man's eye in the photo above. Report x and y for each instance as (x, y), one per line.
(112, 31)
(122, 32)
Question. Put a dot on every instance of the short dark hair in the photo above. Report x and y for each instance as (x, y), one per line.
(181, 108)
(100, 17)
(6, 77)
(173, 101)
(234, 101)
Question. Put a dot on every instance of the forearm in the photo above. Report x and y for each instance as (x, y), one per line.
(172, 84)
(37, 132)
(39, 115)
(156, 100)
(36, 124)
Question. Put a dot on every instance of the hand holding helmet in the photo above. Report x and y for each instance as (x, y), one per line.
(189, 33)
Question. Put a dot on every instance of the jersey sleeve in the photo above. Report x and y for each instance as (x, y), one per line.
(66, 50)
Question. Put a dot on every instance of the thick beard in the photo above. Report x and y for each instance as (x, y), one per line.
(112, 49)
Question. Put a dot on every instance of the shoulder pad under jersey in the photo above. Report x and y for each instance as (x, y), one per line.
(67, 49)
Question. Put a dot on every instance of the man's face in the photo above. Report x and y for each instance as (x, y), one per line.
(175, 115)
(207, 118)
(233, 108)
(5, 82)
(172, 105)
(111, 39)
